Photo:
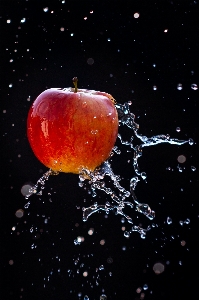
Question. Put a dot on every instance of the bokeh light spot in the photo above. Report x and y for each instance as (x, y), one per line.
(85, 274)
(25, 189)
(136, 15)
(91, 231)
(90, 61)
(181, 159)
(102, 242)
(158, 268)
(19, 213)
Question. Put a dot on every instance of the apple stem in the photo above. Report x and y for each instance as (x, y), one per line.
(75, 80)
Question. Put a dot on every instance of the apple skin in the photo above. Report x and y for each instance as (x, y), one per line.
(70, 130)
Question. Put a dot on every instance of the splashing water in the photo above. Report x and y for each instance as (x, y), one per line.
(40, 184)
(95, 179)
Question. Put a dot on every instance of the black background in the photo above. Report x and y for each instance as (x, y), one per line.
(131, 55)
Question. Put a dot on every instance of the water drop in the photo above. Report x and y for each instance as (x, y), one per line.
(103, 297)
(27, 205)
(187, 221)
(101, 268)
(169, 220)
(178, 129)
(155, 87)
(94, 131)
(143, 175)
(180, 169)
(194, 86)
(127, 234)
(146, 210)
(76, 242)
(33, 246)
(145, 287)
(191, 142)
(86, 297)
(179, 86)
(193, 168)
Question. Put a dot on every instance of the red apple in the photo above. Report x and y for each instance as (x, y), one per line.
(70, 129)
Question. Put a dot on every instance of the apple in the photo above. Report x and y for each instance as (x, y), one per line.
(71, 129)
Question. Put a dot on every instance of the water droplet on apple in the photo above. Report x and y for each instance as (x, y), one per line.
(84, 104)
(94, 131)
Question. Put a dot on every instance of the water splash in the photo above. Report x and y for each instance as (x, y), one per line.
(119, 196)
(120, 202)
(39, 186)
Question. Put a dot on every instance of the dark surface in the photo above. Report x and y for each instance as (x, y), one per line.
(124, 68)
